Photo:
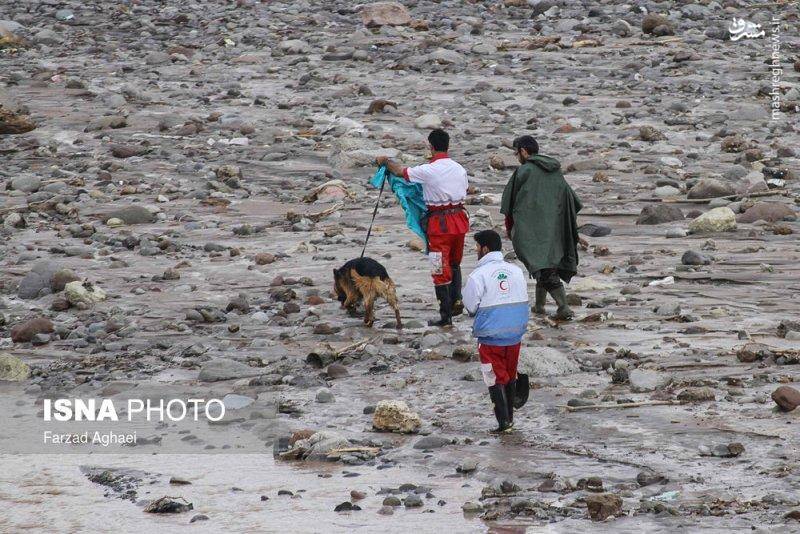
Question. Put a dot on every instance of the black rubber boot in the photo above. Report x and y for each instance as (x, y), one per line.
(541, 300)
(511, 394)
(455, 291)
(564, 313)
(445, 309)
(498, 396)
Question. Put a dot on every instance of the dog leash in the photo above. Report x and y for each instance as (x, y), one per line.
(374, 212)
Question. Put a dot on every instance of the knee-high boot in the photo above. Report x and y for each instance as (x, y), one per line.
(498, 395)
(445, 307)
(455, 291)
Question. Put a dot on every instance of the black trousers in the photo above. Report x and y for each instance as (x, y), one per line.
(548, 279)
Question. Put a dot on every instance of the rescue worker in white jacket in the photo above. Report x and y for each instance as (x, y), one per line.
(496, 294)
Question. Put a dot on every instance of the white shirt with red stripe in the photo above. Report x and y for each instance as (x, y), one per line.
(443, 180)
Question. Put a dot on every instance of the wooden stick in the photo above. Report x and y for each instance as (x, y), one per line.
(621, 405)
(355, 345)
(707, 200)
(745, 432)
(692, 365)
(661, 42)
(549, 322)
(373, 450)
(608, 214)
(316, 217)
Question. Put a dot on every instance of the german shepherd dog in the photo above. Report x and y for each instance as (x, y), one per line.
(365, 279)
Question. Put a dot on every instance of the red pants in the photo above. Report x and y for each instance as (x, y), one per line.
(443, 252)
(499, 364)
(446, 244)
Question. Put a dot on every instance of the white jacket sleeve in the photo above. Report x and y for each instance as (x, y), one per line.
(472, 293)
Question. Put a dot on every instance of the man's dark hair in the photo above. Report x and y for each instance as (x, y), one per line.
(439, 140)
(528, 143)
(489, 239)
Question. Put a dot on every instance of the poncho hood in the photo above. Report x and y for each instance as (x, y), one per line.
(546, 163)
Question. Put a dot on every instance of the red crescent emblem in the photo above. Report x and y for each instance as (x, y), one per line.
(503, 285)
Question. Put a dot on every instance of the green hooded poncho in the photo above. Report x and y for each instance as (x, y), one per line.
(544, 209)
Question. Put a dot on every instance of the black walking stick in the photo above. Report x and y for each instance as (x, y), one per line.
(374, 212)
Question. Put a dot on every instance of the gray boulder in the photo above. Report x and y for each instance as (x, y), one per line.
(643, 380)
(710, 188)
(768, 211)
(659, 214)
(38, 281)
(132, 215)
(717, 220)
(26, 184)
(545, 361)
(224, 369)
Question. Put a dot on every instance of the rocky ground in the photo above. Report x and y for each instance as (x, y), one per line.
(181, 178)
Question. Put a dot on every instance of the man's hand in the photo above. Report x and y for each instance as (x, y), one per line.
(382, 160)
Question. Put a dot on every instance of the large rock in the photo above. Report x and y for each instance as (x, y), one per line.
(132, 215)
(61, 278)
(295, 46)
(768, 211)
(352, 151)
(589, 284)
(644, 380)
(12, 123)
(710, 188)
(446, 56)
(330, 191)
(13, 369)
(224, 369)
(545, 361)
(603, 505)
(657, 25)
(752, 352)
(752, 182)
(78, 293)
(317, 446)
(594, 230)
(32, 286)
(720, 219)
(432, 442)
(10, 30)
(395, 416)
(429, 121)
(787, 326)
(45, 276)
(385, 14)
(25, 331)
(787, 398)
(691, 257)
(697, 394)
(659, 214)
(26, 184)
(591, 164)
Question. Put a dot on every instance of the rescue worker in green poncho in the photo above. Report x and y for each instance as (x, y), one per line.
(541, 220)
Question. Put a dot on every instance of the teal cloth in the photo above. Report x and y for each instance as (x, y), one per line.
(410, 197)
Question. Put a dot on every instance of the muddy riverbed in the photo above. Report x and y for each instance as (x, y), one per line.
(204, 166)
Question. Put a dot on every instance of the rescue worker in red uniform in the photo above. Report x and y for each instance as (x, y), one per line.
(444, 188)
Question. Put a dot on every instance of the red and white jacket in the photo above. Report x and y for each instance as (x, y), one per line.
(443, 180)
